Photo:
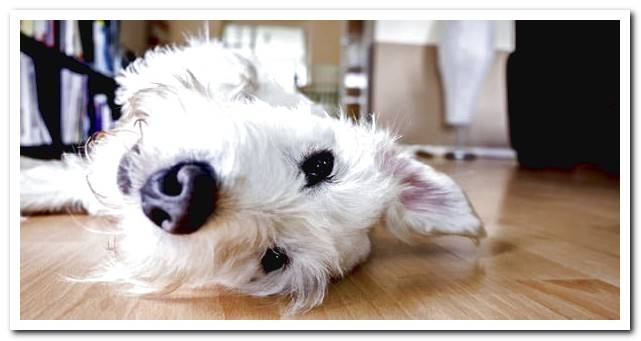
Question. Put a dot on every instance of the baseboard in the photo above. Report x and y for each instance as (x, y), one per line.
(502, 153)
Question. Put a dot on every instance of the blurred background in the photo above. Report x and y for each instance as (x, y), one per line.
(545, 93)
(524, 115)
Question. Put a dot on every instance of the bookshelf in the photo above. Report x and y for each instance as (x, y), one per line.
(67, 72)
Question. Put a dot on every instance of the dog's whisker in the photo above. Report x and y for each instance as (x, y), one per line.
(139, 122)
(103, 199)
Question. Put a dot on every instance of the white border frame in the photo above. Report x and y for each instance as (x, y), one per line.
(625, 190)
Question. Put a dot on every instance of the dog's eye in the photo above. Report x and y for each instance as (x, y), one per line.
(274, 259)
(318, 167)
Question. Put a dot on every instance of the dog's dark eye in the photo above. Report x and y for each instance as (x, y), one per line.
(318, 167)
(274, 259)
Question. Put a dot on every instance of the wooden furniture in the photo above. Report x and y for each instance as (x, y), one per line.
(552, 253)
(356, 68)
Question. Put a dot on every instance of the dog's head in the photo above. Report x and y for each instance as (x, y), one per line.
(214, 183)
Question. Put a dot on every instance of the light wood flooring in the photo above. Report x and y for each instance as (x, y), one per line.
(552, 253)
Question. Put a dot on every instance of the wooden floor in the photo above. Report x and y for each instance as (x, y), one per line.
(552, 253)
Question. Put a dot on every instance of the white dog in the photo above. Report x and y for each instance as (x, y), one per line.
(216, 175)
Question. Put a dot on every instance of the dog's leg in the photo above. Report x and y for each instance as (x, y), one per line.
(54, 186)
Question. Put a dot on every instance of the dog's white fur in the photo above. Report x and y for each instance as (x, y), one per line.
(203, 102)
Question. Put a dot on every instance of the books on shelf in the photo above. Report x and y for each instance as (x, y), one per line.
(102, 59)
(82, 111)
(73, 87)
(33, 131)
(102, 112)
(73, 106)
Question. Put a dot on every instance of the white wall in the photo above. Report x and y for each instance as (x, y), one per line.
(407, 91)
(427, 32)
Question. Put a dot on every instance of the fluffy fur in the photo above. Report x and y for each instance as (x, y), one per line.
(204, 103)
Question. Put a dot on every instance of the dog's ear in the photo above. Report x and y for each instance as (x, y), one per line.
(427, 202)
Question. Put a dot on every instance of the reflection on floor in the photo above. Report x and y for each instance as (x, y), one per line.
(552, 253)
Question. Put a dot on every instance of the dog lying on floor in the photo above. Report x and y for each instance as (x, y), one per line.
(215, 174)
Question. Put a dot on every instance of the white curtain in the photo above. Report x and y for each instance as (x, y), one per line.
(465, 54)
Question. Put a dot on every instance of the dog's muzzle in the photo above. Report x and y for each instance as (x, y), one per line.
(181, 198)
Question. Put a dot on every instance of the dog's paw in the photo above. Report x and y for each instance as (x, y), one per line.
(50, 186)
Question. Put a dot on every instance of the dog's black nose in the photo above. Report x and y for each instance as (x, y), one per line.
(181, 198)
